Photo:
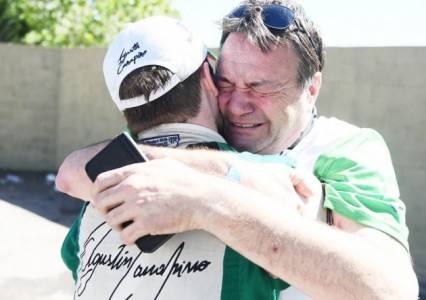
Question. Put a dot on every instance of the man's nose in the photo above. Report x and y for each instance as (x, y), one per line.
(240, 102)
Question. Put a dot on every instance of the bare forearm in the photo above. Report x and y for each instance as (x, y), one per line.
(268, 178)
(72, 178)
(322, 261)
(208, 161)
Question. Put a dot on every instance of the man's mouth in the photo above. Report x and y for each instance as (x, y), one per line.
(240, 125)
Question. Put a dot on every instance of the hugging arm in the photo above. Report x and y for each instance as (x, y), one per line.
(73, 180)
(345, 261)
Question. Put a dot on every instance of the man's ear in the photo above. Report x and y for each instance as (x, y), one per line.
(314, 87)
(207, 79)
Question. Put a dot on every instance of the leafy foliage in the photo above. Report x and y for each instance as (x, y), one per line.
(11, 28)
(73, 23)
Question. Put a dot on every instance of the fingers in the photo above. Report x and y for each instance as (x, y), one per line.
(129, 219)
(113, 177)
(118, 217)
(132, 194)
(108, 199)
(132, 232)
(111, 188)
(304, 183)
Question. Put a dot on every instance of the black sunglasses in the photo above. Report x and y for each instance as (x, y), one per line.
(275, 16)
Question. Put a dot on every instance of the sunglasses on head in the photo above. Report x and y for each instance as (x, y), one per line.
(276, 17)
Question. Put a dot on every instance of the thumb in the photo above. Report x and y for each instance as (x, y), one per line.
(306, 184)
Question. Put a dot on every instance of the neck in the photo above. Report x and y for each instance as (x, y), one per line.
(307, 129)
(203, 121)
(207, 117)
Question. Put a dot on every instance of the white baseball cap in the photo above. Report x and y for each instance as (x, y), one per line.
(158, 40)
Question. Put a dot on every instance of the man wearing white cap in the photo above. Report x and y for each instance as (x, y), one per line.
(158, 74)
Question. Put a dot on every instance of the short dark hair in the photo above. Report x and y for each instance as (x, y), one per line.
(176, 106)
(311, 58)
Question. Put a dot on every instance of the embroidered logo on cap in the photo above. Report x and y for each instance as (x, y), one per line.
(124, 62)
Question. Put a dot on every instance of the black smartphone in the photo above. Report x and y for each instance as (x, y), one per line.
(120, 152)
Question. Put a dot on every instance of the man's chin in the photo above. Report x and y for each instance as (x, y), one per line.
(239, 141)
(241, 145)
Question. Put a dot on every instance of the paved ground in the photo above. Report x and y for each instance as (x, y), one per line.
(34, 219)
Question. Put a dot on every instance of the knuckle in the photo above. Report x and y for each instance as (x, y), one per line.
(111, 219)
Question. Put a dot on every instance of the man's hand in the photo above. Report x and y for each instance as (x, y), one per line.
(165, 196)
(278, 180)
(155, 195)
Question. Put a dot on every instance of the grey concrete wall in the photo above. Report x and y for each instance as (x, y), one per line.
(86, 113)
(53, 101)
(383, 88)
(28, 106)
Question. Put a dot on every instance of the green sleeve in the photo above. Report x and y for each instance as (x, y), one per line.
(70, 246)
(360, 183)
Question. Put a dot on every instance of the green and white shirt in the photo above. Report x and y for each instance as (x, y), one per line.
(356, 168)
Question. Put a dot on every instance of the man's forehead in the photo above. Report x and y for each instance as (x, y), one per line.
(238, 53)
(254, 73)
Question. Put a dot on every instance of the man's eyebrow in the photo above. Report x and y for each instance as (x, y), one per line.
(221, 78)
(252, 83)
(261, 82)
